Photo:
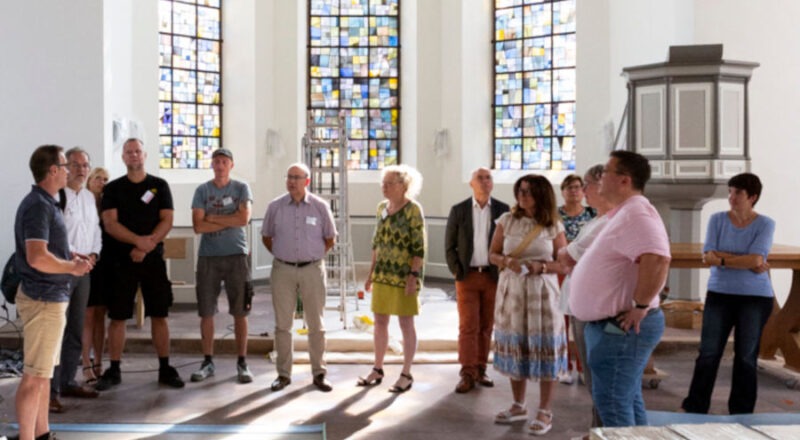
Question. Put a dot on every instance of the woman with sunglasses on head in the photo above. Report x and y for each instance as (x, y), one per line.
(530, 341)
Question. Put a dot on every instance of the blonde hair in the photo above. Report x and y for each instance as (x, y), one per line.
(97, 171)
(409, 176)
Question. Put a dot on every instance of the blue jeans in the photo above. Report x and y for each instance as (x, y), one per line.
(723, 312)
(617, 362)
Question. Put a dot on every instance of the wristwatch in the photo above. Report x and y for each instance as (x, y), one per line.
(640, 306)
(414, 273)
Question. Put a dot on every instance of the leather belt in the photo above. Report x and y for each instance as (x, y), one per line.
(479, 268)
(298, 263)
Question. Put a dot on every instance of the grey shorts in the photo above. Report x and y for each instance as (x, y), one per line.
(234, 270)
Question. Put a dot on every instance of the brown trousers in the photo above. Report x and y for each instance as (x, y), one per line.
(475, 298)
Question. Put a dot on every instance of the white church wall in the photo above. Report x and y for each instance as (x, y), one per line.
(766, 34)
(51, 76)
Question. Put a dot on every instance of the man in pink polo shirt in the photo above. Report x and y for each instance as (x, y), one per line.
(615, 289)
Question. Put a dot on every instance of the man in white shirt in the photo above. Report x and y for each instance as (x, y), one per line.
(83, 233)
(470, 227)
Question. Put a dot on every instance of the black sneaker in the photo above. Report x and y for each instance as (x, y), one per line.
(169, 376)
(109, 379)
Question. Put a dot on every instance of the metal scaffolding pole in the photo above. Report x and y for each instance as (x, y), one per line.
(325, 154)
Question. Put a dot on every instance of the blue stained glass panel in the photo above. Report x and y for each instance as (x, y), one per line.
(534, 99)
(190, 61)
(354, 66)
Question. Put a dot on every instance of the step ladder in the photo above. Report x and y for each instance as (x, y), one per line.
(325, 147)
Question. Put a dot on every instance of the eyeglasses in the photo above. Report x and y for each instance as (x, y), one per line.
(85, 166)
(65, 164)
(395, 182)
(295, 177)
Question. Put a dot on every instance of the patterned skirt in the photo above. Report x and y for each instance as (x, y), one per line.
(530, 339)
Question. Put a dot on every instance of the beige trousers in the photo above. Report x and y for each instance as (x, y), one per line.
(309, 283)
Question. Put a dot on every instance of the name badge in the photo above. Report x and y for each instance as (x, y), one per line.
(148, 196)
(312, 221)
(227, 200)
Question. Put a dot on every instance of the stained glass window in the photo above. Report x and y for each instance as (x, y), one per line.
(354, 67)
(534, 84)
(190, 85)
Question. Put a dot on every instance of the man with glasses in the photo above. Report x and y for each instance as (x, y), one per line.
(47, 268)
(614, 288)
(220, 213)
(298, 230)
(470, 227)
(85, 238)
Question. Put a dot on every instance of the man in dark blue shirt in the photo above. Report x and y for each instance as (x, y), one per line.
(46, 267)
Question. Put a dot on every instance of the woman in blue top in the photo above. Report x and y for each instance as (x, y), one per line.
(739, 296)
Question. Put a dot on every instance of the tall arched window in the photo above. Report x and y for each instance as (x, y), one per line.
(534, 84)
(354, 66)
(190, 86)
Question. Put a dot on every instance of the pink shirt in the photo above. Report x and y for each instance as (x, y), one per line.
(604, 280)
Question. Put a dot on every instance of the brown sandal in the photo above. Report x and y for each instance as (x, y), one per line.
(89, 376)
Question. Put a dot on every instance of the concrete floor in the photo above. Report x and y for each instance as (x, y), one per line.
(429, 410)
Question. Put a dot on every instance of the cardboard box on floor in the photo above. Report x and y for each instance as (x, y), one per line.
(683, 314)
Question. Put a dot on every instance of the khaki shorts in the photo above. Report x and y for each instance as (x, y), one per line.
(43, 328)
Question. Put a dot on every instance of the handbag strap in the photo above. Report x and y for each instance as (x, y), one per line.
(526, 241)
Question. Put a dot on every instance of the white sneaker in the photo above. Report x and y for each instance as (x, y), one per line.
(243, 373)
(205, 371)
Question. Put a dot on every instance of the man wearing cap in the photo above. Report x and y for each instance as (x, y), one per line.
(220, 212)
(470, 227)
(137, 214)
(298, 230)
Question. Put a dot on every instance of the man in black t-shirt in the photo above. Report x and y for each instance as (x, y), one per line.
(137, 214)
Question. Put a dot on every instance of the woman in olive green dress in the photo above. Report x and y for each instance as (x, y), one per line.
(395, 277)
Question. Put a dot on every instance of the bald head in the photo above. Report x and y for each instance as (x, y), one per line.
(481, 184)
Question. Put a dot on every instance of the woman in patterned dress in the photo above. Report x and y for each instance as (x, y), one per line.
(573, 213)
(395, 276)
(574, 216)
(530, 342)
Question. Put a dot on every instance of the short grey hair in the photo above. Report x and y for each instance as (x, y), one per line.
(302, 166)
(595, 173)
(77, 150)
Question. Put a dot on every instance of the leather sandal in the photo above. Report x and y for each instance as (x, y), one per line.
(90, 378)
(539, 427)
(376, 380)
(508, 416)
(397, 388)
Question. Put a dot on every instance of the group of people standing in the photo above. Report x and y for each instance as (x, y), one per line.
(506, 261)
(614, 255)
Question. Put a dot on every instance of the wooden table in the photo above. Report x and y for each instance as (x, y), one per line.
(781, 331)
